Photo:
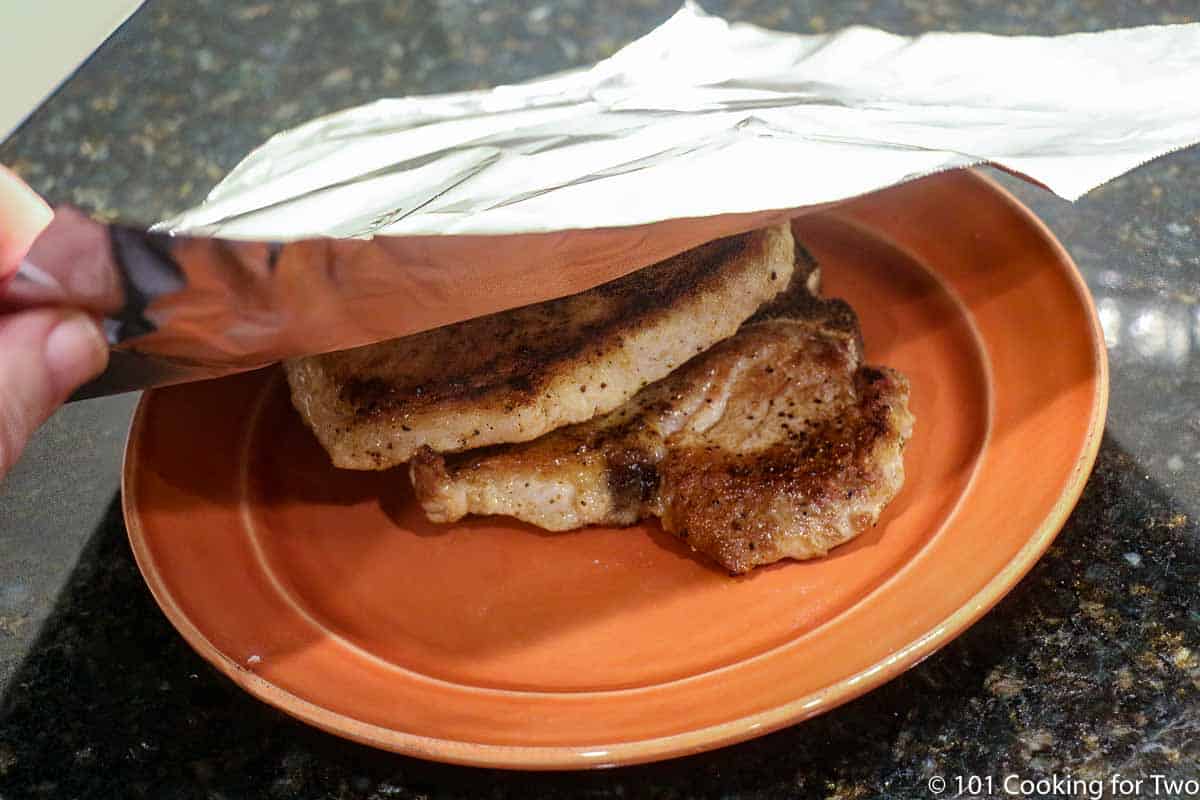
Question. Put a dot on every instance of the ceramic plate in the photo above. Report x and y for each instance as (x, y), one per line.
(325, 593)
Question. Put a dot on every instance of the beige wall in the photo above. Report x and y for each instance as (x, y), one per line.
(42, 42)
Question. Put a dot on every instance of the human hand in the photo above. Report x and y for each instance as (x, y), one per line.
(45, 353)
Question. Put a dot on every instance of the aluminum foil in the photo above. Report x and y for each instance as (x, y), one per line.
(405, 214)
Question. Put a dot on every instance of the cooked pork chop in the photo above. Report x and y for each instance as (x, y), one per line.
(512, 376)
(776, 443)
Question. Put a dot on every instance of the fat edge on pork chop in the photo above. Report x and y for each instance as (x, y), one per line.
(514, 375)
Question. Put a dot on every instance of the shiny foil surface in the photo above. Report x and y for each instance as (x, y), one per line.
(406, 214)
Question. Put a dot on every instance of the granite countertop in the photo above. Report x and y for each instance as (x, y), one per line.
(1090, 667)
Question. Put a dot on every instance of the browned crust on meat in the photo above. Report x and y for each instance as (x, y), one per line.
(519, 374)
(829, 463)
(727, 507)
(504, 377)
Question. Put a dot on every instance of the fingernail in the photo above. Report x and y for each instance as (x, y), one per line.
(75, 352)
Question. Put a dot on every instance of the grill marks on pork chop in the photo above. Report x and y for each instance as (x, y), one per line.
(776, 443)
(512, 376)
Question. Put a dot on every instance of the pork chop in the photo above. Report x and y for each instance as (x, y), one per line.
(776, 443)
(512, 376)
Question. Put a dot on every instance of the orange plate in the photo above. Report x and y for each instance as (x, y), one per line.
(325, 593)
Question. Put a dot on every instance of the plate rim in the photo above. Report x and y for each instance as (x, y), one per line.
(552, 757)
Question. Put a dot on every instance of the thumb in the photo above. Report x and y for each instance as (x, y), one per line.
(45, 354)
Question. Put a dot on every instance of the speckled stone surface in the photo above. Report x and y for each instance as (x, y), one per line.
(1090, 667)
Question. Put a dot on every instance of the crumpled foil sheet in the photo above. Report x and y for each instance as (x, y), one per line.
(406, 214)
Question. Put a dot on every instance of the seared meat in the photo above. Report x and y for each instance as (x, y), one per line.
(776, 443)
(513, 376)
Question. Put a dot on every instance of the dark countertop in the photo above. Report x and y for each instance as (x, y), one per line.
(1090, 667)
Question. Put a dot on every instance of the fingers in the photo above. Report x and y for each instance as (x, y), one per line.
(75, 258)
(70, 252)
(23, 215)
(45, 354)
